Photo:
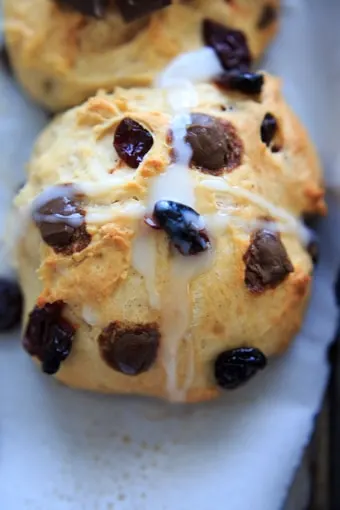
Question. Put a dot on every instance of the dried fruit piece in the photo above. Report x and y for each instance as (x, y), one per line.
(134, 9)
(266, 260)
(10, 304)
(232, 50)
(235, 367)
(215, 144)
(132, 142)
(49, 336)
(269, 128)
(61, 222)
(247, 82)
(130, 349)
(230, 45)
(267, 16)
(94, 8)
(183, 225)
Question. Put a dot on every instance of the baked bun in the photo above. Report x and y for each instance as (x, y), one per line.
(63, 56)
(165, 253)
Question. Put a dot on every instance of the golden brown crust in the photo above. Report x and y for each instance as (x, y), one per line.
(62, 57)
(77, 148)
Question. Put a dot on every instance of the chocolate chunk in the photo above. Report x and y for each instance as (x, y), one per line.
(235, 367)
(230, 45)
(61, 222)
(56, 233)
(215, 144)
(132, 142)
(247, 83)
(134, 9)
(183, 225)
(130, 349)
(267, 262)
(269, 129)
(94, 8)
(49, 336)
(5, 60)
(267, 16)
(10, 304)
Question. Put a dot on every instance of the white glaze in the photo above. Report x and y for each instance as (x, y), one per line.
(165, 186)
(104, 186)
(176, 316)
(144, 259)
(74, 220)
(51, 193)
(101, 215)
(289, 220)
(217, 223)
(175, 184)
(89, 315)
(195, 66)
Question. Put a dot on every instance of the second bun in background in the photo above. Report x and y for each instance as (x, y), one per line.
(62, 56)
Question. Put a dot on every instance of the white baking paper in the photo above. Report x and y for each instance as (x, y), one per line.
(67, 450)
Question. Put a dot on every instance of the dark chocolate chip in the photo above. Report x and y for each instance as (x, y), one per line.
(266, 260)
(215, 145)
(247, 83)
(130, 349)
(183, 225)
(56, 233)
(134, 9)
(61, 222)
(49, 336)
(5, 60)
(269, 129)
(230, 45)
(132, 142)
(10, 304)
(235, 367)
(267, 16)
(94, 8)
